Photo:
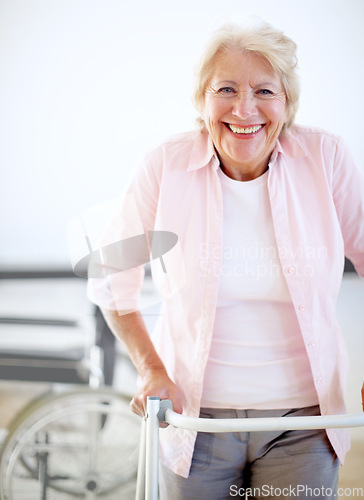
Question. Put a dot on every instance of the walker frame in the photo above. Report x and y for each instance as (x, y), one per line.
(162, 411)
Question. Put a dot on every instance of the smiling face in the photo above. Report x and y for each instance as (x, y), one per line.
(244, 112)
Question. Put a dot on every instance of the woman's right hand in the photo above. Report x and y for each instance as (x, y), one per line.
(130, 329)
(156, 383)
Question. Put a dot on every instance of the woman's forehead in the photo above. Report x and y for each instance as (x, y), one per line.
(235, 66)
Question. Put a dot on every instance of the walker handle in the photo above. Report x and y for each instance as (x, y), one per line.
(167, 415)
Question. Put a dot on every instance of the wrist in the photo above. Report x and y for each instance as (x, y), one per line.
(153, 370)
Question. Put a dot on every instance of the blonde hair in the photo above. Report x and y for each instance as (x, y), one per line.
(263, 40)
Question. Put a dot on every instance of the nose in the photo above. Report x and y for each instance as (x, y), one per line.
(244, 106)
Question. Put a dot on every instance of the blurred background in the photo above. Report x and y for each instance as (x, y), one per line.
(86, 87)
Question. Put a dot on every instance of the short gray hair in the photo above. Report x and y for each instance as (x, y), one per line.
(265, 41)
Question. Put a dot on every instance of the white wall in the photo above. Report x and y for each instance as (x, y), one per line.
(86, 86)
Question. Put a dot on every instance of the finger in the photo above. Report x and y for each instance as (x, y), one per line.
(137, 407)
(141, 411)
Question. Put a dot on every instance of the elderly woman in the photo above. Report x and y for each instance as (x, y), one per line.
(264, 212)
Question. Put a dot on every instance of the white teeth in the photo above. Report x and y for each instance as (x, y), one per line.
(240, 130)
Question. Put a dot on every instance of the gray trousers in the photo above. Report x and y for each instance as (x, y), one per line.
(263, 465)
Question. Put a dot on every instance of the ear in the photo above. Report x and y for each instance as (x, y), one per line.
(200, 123)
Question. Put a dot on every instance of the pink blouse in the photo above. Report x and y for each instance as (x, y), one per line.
(317, 201)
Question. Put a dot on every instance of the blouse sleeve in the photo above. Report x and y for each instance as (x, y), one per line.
(348, 194)
(116, 277)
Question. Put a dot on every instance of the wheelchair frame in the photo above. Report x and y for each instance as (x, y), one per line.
(46, 443)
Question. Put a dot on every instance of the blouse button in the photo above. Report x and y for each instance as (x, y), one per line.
(301, 307)
(311, 345)
(290, 270)
(319, 380)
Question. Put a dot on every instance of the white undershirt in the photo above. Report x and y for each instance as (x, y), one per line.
(257, 358)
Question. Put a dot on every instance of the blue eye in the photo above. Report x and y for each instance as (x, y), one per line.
(265, 92)
(226, 90)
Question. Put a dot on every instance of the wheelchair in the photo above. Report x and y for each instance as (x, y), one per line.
(79, 439)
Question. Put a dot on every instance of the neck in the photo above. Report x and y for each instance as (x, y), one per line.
(243, 175)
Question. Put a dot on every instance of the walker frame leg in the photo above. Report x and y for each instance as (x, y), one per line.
(140, 483)
(152, 449)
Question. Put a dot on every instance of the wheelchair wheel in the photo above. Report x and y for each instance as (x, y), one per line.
(83, 443)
